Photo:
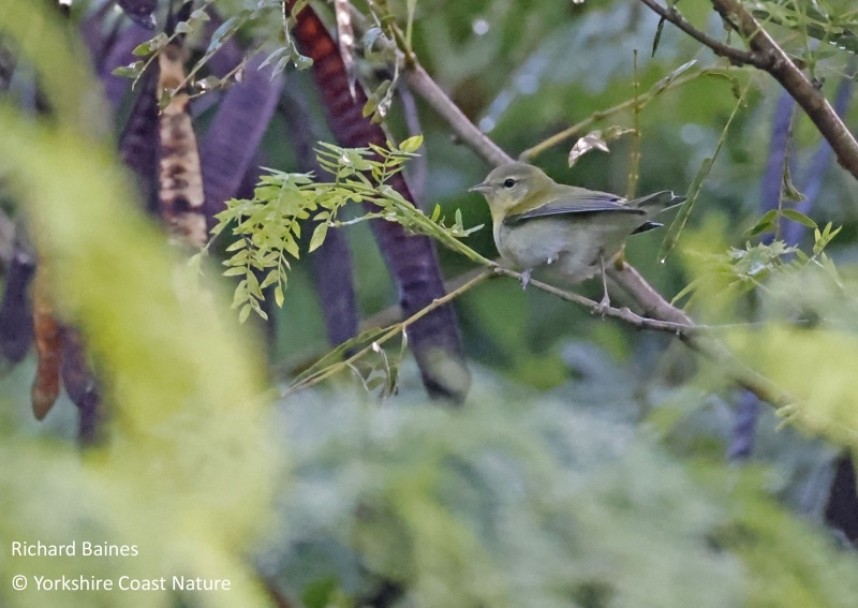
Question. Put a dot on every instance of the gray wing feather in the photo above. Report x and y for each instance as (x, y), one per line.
(594, 203)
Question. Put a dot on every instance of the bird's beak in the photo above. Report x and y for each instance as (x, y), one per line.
(482, 188)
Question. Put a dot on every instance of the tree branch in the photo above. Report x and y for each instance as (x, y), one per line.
(427, 88)
(765, 54)
(775, 61)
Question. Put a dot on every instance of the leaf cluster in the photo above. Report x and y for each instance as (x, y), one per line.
(268, 227)
(741, 270)
(829, 22)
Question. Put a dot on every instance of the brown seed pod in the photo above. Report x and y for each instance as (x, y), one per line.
(49, 347)
(181, 183)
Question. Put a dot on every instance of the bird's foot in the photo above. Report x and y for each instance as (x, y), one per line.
(525, 279)
(603, 305)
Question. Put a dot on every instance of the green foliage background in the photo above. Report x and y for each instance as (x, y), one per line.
(587, 467)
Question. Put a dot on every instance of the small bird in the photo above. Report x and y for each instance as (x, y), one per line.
(537, 222)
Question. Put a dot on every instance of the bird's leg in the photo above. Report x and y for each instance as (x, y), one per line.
(605, 302)
(525, 278)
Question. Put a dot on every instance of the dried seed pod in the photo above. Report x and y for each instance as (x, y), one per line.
(181, 183)
(49, 347)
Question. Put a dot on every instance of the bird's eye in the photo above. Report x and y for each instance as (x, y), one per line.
(508, 182)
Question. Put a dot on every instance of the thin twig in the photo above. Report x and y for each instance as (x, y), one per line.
(391, 332)
(640, 101)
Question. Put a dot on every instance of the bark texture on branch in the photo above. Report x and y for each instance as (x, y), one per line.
(769, 56)
(765, 54)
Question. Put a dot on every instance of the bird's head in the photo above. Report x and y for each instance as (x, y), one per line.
(509, 185)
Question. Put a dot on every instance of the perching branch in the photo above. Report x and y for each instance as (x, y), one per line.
(656, 306)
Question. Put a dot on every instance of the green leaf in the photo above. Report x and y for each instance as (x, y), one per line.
(270, 279)
(277, 55)
(291, 247)
(244, 313)
(735, 87)
(657, 38)
(223, 33)
(150, 46)
(436, 213)
(412, 144)
(790, 192)
(253, 284)
(132, 70)
(239, 244)
(200, 15)
(208, 83)
(302, 62)
(318, 237)
(764, 224)
(368, 42)
(799, 217)
(165, 99)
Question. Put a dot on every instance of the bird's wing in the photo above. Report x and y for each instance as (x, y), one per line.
(579, 204)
